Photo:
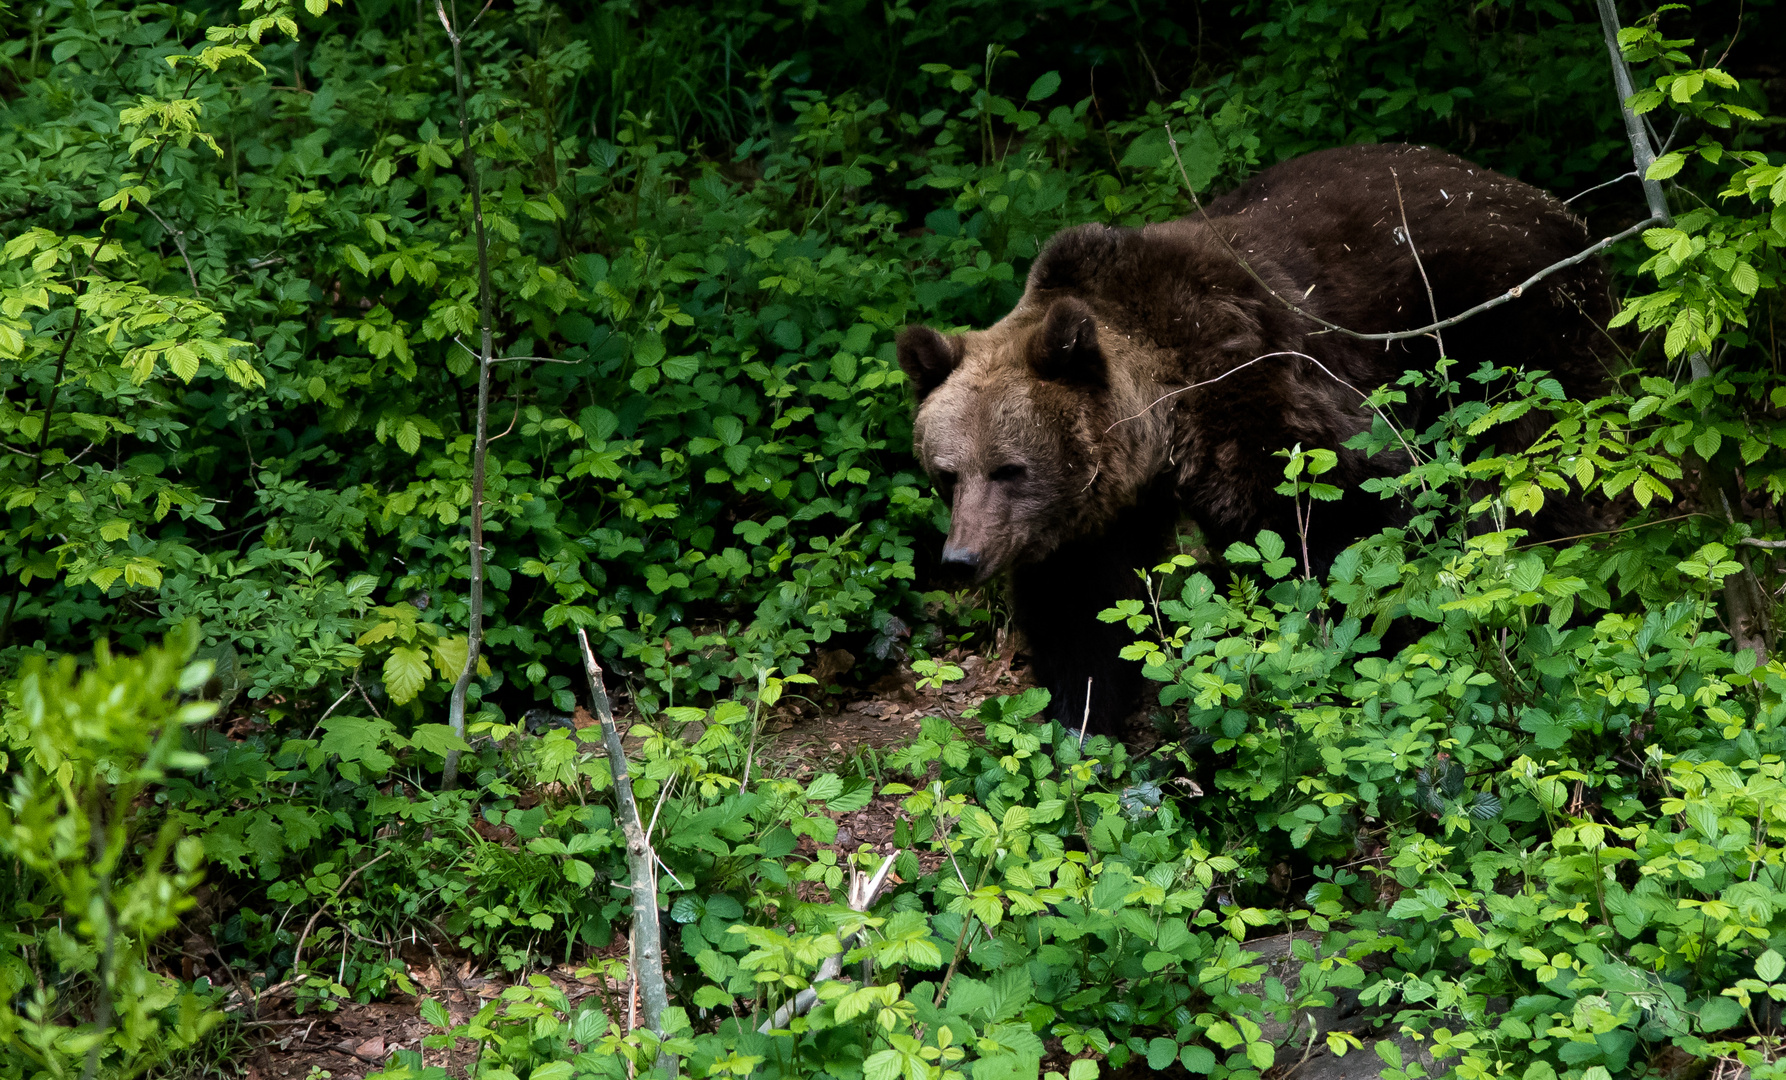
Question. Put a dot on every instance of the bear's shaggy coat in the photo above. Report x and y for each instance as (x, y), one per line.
(1048, 436)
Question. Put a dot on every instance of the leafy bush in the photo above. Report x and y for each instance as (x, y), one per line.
(704, 452)
(87, 892)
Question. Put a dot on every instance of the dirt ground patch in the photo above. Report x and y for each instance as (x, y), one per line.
(804, 738)
(356, 1039)
(809, 737)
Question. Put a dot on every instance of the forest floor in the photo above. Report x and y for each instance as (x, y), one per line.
(806, 737)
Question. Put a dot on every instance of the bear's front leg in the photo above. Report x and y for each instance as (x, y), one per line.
(1057, 601)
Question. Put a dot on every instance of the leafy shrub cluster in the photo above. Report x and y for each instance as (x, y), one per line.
(241, 313)
(1519, 803)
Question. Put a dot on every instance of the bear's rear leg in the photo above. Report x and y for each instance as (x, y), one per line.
(1056, 603)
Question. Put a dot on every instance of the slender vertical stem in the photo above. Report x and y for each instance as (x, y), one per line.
(1643, 153)
(1408, 235)
(100, 844)
(480, 447)
(1743, 596)
(647, 934)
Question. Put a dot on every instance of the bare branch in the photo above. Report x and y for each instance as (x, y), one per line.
(298, 949)
(1643, 153)
(512, 420)
(1412, 454)
(1408, 235)
(864, 890)
(510, 359)
(321, 720)
(179, 238)
(1597, 187)
(648, 968)
(1084, 721)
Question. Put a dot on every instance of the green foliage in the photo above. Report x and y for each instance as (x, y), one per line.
(704, 460)
(87, 892)
(1520, 800)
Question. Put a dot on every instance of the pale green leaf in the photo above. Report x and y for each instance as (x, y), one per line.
(405, 673)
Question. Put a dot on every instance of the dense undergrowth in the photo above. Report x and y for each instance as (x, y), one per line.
(1541, 829)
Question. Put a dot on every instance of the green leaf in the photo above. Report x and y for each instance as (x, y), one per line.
(885, 1065)
(1161, 1053)
(450, 654)
(356, 259)
(826, 786)
(590, 1024)
(1197, 1059)
(1044, 87)
(1746, 279)
(712, 997)
(436, 1014)
(437, 739)
(405, 673)
(1769, 966)
(1719, 1014)
(1683, 332)
(1260, 1054)
(1666, 165)
(856, 794)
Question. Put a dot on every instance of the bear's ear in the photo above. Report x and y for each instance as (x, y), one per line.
(1066, 349)
(927, 358)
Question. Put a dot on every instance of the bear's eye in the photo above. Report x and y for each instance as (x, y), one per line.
(1008, 472)
(945, 484)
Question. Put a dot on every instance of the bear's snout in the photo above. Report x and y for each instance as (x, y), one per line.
(979, 543)
(961, 560)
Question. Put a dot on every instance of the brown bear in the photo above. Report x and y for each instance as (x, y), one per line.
(1048, 436)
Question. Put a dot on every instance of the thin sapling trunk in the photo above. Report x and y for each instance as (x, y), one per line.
(480, 446)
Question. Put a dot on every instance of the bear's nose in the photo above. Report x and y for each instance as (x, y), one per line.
(960, 558)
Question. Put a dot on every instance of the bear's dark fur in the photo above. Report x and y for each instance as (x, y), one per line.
(1047, 435)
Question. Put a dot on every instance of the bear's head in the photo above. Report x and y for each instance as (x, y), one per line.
(1041, 428)
(1009, 426)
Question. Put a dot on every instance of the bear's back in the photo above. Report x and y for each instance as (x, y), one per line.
(1339, 223)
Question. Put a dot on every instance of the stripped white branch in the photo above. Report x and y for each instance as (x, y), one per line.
(864, 890)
